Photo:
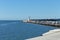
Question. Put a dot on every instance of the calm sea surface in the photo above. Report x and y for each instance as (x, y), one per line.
(17, 30)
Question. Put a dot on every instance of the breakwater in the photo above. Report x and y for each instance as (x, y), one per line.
(48, 22)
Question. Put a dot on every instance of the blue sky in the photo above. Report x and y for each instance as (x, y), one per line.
(22, 9)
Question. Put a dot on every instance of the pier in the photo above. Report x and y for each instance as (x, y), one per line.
(47, 22)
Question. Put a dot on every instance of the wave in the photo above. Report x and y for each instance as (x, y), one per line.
(52, 31)
(5, 24)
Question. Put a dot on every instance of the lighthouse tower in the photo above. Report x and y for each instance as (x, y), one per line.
(28, 19)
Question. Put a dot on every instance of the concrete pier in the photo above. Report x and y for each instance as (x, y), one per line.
(48, 22)
(50, 35)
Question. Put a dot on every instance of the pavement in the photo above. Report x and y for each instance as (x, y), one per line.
(51, 35)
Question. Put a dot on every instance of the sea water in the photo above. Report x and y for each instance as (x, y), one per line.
(18, 30)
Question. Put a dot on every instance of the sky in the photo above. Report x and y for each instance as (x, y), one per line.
(22, 9)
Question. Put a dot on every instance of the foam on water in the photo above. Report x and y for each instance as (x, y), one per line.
(52, 32)
(5, 24)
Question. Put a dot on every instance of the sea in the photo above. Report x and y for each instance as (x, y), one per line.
(19, 30)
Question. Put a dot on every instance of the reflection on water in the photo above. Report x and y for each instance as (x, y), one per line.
(16, 30)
